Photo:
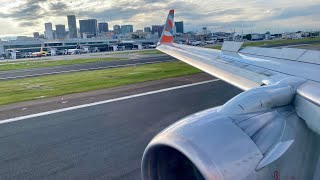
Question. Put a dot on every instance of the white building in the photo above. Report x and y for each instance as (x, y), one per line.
(292, 35)
(255, 37)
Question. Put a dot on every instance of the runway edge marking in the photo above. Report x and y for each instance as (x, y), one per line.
(103, 102)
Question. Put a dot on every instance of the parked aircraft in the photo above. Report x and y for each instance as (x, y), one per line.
(40, 53)
(77, 50)
(270, 131)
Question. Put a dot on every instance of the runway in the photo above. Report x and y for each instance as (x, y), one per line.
(103, 140)
(14, 74)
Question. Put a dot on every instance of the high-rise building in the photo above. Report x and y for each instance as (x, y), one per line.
(48, 30)
(88, 26)
(157, 29)
(72, 25)
(116, 29)
(36, 35)
(60, 31)
(147, 29)
(103, 27)
(179, 27)
(126, 29)
(54, 34)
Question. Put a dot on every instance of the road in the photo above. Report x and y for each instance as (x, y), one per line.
(14, 74)
(104, 141)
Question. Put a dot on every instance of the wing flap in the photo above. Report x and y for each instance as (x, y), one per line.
(231, 46)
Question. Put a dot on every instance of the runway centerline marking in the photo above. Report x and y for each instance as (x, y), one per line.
(103, 102)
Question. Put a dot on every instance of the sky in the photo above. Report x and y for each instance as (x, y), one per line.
(23, 17)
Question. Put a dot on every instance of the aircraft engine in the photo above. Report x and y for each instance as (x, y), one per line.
(201, 148)
(227, 142)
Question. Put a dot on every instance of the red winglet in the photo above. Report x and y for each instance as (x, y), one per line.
(167, 33)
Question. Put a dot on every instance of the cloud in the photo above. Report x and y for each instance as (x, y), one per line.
(217, 14)
(302, 11)
(27, 24)
(58, 6)
(30, 10)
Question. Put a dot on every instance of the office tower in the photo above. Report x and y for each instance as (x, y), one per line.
(36, 35)
(89, 27)
(179, 27)
(48, 30)
(72, 25)
(60, 31)
(126, 29)
(103, 27)
(157, 29)
(147, 29)
(116, 29)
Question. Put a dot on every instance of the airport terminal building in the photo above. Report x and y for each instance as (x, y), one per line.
(23, 48)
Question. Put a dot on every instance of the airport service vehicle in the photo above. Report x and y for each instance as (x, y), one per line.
(195, 43)
(152, 46)
(210, 42)
(270, 131)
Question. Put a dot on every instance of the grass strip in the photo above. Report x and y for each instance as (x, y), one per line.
(40, 63)
(12, 91)
(280, 42)
(140, 52)
(273, 42)
(147, 52)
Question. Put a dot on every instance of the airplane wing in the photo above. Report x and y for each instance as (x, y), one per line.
(247, 67)
(242, 138)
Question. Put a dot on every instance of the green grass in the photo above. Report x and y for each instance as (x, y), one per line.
(273, 42)
(40, 63)
(218, 47)
(141, 52)
(19, 90)
(314, 44)
(279, 42)
(147, 52)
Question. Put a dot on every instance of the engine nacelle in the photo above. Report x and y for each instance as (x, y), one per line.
(206, 145)
(228, 142)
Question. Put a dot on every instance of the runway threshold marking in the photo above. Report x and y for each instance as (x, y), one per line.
(103, 102)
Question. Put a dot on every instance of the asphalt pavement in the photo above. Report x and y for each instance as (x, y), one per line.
(104, 141)
(14, 74)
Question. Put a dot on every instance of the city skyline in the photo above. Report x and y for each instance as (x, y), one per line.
(28, 16)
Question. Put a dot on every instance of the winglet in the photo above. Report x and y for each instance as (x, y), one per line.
(167, 33)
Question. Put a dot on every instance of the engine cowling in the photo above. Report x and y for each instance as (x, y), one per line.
(201, 147)
(228, 142)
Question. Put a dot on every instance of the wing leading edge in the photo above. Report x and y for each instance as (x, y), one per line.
(263, 126)
(246, 68)
(252, 67)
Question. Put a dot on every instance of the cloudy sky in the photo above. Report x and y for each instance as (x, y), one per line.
(22, 17)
